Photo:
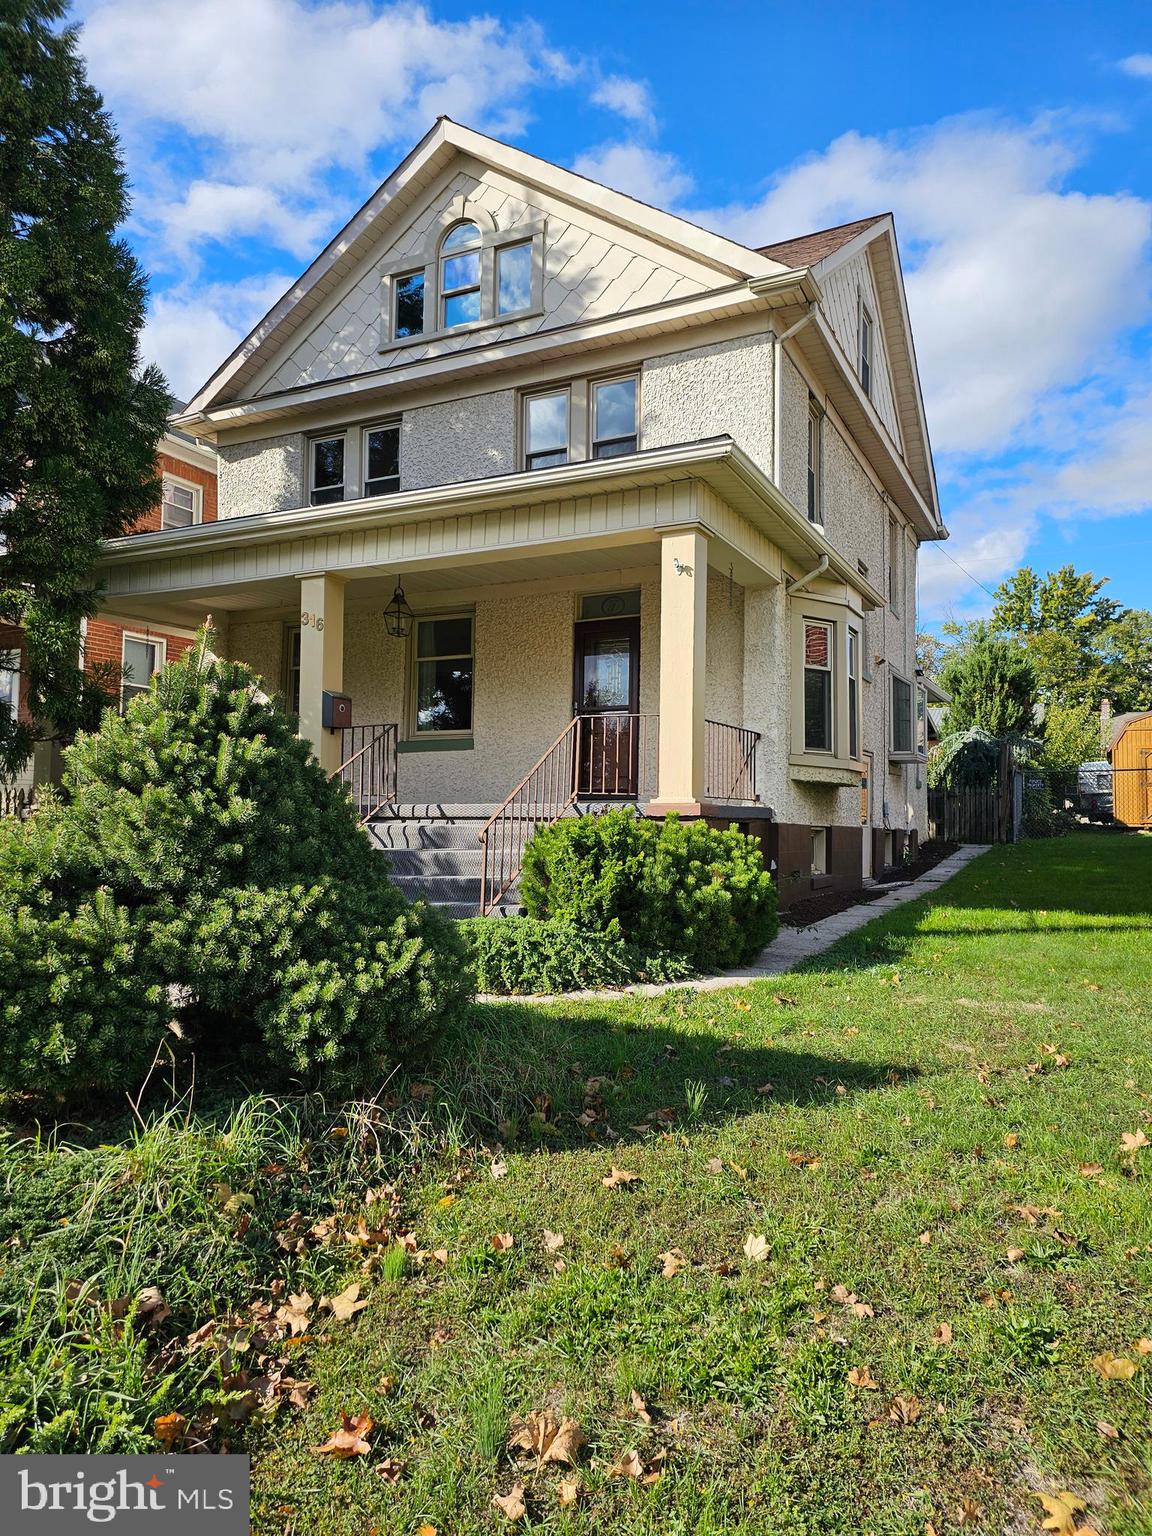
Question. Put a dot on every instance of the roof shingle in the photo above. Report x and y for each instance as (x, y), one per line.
(807, 250)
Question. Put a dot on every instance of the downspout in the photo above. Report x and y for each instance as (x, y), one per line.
(778, 389)
(802, 581)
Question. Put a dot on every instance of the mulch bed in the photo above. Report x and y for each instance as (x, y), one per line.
(802, 913)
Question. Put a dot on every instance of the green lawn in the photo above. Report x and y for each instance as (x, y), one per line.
(931, 1117)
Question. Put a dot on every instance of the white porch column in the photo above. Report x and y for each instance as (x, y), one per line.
(321, 661)
(683, 623)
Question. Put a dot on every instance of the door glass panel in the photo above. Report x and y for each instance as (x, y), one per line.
(607, 673)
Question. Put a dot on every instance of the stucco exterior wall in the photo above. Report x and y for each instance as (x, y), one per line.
(261, 645)
(465, 439)
(724, 651)
(724, 387)
(266, 475)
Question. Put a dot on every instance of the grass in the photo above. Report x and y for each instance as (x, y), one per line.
(916, 1117)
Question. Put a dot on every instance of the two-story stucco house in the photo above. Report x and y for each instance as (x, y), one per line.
(558, 487)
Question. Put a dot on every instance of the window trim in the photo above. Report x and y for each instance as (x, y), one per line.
(811, 622)
(866, 347)
(842, 614)
(526, 400)
(852, 681)
(395, 424)
(815, 467)
(627, 375)
(819, 859)
(197, 490)
(314, 441)
(160, 646)
(895, 565)
(897, 753)
(292, 633)
(443, 292)
(500, 249)
(581, 408)
(412, 730)
(394, 304)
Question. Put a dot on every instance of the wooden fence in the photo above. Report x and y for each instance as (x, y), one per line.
(980, 812)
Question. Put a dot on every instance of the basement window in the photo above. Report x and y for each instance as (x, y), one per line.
(819, 850)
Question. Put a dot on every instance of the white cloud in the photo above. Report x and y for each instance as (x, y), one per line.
(192, 328)
(628, 98)
(1137, 64)
(649, 174)
(213, 210)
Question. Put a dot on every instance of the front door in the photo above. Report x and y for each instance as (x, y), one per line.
(607, 697)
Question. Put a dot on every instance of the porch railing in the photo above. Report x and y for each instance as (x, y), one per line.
(594, 757)
(368, 767)
(17, 802)
(730, 763)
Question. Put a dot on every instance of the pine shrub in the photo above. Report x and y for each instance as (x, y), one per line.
(666, 887)
(200, 881)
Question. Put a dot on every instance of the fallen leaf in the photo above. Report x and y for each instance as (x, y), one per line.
(445, 1201)
(629, 1465)
(541, 1436)
(905, 1410)
(151, 1308)
(1132, 1141)
(756, 1247)
(293, 1315)
(715, 1165)
(497, 1168)
(1114, 1367)
(1012, 1140)
(640, 1407)
(1061, 1509)
(861, 1376)
(349, 1440)
(346, 1305)
(968, 1512)
(942, 1333)
(553, 1241)
(1109, 1431)
(924, 1239)
(673, 1261)
(390, 1470)
(846, 1298)
(1089, 1170)
(1142, 1346)
(427, 1530)
(568, 1492)
(619, 1176)
(502, 1241)
(511, 1504)
(1014, 1255)
(169, 1428)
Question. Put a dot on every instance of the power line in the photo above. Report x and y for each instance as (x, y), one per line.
(975, 579)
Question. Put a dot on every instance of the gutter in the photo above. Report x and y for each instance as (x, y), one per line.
(802, 582)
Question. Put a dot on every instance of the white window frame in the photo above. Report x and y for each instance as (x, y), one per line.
(581, 410)
(819, 851)
(197, 493)
(160, 650)
(866, 348)
(314, 441)
(815, 486)
(843, 617)
(414, 733)
(895, 750)
(428, 260)
(393, 424)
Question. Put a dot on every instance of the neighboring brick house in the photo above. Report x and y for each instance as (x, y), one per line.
(134, 645)
(537, 474)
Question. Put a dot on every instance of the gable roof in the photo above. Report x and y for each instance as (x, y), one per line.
(1120, 723)
(807, 250)
(394, 198)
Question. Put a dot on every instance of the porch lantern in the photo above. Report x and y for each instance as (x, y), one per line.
(398, 616)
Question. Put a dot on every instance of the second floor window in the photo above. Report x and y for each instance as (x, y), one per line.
(815, 454)
(180, 504)
(546, 430)
(460, 254)
(327, 470)
(853, 693)
(514, 278)
(614, 418)
(382, 460)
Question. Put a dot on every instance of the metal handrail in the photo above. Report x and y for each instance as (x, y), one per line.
(730, 762)
(542, 796)
(369, 770)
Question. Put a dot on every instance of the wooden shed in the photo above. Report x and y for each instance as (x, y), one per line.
(1131, 755)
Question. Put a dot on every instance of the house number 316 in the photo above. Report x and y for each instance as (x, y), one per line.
(312, 620)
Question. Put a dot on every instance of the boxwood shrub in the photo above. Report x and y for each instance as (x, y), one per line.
(666, 887)
(530, 954)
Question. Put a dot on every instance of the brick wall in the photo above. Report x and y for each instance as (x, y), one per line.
(104, 642)
(204, 478)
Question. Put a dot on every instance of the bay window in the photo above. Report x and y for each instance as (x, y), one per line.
(902, 739)
(819, 648)
(826, 709)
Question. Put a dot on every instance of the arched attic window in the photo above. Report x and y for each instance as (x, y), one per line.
(460, 260)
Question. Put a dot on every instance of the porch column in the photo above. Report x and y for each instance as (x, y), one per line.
(321, 661)
(683, 622)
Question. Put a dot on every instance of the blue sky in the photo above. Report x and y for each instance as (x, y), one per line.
(1010, 140)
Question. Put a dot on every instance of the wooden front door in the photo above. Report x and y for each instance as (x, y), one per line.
(607, 697)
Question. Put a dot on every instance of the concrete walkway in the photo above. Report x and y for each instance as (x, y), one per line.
(791, 946)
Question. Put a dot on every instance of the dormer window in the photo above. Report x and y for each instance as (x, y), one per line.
(460, 276)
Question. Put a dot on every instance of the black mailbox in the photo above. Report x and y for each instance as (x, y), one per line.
(337, 711)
